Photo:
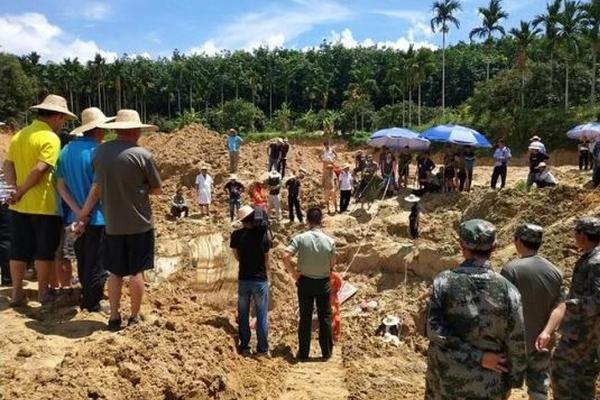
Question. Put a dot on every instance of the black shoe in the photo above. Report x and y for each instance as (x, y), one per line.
(300, 358)
(133, 320)
(114, 325)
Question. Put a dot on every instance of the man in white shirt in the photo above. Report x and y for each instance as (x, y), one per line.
(345, 182)
(537, 141)
(501, 157)
(544, 177)
(204, 183)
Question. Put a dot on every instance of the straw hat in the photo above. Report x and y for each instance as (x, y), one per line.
(91, 118)
(233, 177)
(274, 174)
(391, 320)
(128, 119)
(204, 166)
(279, 140)
(535, 138)
(412, 199)
(347, 166)
(243, 212)
(303, 170)
(542, 165)
(2, 124)
(55, 103)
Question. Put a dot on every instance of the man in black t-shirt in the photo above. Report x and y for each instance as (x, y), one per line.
(274, 153)
(535, 158)
(285, 148)
(293, 187)
(251, 247)
(234, 189)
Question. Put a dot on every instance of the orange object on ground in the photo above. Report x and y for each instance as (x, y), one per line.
(336, 320)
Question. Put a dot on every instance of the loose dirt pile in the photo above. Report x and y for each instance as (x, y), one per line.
(185, 347)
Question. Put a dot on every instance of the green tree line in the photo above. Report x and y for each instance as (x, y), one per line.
(548, 63)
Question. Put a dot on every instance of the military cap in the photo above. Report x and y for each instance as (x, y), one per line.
(477, 234)
(588, 225)
(529, 233)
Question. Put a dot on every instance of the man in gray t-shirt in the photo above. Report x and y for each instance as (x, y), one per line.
(126, 175)
(541, 286)
(316, 259)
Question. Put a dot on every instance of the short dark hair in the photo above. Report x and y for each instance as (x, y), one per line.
(530, 245)
(48, 113)
(314, 215)
(482, 253)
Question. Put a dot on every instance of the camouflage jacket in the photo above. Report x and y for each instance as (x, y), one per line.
(473, 310)
(582, 319)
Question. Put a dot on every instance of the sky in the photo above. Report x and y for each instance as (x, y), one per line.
(154, 28)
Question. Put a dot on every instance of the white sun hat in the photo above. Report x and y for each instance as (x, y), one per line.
(55, 103)
(391, 320)
(274, 174)
(244, 212)
(128, 119)
(412, 199)
(91, 118)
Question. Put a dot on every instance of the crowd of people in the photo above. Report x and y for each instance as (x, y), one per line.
(87, 202)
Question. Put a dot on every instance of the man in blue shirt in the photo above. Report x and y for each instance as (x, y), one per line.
(75, 178)
(502, 156)
(234, 141)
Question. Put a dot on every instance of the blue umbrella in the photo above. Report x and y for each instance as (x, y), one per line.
(398, 138)
(456, 134)
(587, 131)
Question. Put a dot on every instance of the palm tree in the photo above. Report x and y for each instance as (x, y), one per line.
(591, 19)
(443, 11)
(524, 36)
(569, 31)
(549, 21)
(492, 15)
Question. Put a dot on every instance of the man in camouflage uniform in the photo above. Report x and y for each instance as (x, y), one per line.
(576, 359)
(541, 286)
(475, 326)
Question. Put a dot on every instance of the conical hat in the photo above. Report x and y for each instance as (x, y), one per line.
(128, 119)
(55, 103)
(91, 118)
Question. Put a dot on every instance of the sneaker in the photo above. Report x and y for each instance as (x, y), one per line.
(133, 320)
(114, 325)
(245, 352)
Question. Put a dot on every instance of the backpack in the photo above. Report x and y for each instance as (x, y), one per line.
(261, 220)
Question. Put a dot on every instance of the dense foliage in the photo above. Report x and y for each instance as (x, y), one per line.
(543, 68)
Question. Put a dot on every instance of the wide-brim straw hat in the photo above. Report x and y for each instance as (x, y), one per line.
(412, 199)
(535, 138)
(274, 174)
(91, 118)
(55, 103)
(542, 165)
(128, 119)
(244, 212)
(391, 320)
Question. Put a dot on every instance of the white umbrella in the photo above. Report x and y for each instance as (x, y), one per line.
(586, 131)
(398, 138)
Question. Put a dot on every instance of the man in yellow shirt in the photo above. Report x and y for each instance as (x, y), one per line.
(35, 221)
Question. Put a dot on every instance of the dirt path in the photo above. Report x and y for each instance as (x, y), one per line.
(317, 380)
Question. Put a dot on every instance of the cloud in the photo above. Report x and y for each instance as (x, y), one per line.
(24, 33)
(346, 39)
(90, 11)
(419, 21)
(275, 26)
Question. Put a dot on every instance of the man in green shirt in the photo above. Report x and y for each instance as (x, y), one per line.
(316, 259)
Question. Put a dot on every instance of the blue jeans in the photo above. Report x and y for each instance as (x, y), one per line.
(259, 291)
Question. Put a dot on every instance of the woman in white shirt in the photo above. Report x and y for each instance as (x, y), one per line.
(346, 186)
(204, 183)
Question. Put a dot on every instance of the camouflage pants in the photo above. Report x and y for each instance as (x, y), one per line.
(575, 369)
(537, 375)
